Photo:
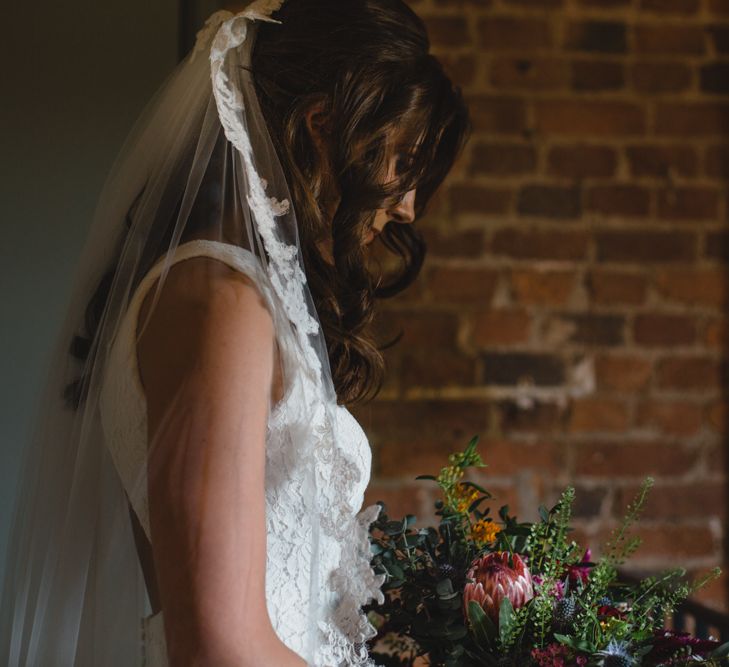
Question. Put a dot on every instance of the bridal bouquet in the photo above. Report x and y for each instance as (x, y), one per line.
(490, 591)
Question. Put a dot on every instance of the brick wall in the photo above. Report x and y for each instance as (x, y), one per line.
(572, 307)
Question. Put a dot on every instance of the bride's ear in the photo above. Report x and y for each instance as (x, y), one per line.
(318, 122)
(319, 125)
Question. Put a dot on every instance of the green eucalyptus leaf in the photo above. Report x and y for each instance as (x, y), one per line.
(506, 618)
(430, 477)
(444, 588)
(720, 651)
(393, 527)
(481, 625)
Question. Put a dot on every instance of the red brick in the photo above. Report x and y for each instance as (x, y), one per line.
(596, 75)
(613, 287)
(697, 119)
(689, 373)
(452, 424)
(604, 4)
(588, 117)
(462, 4)
(675, 542)
(706, 287)
(542, 287)
(589, 501)
(548, 201)
(714, 594)
(505, 493)
(684, 7)
(404, 460)
(536, 4)
(423, 327)
(720, 7)
(468, 243)
(596, 36)
(716, 246)
(662, 161)
(619, 199)
(716, 455)
(717, 333)
(479, 199)
(529, 73)
(459, 67)
(623, 373)
(713, 78)
(641, 246)
(578, 161)
(590, 415)
(670, 417)
(660, 77)
(440, 368)
(688, 203)
(500, 159)
(459, 285)
(634, 459)
(658, 330)
(673, 39)
(679, 500)
(501, 327)
(448, 31)
(540, 417)
(399, 500)
(509, 33)
(717, 415)
(504, 115)
(716, 163)
(719, 34)
(591, 329)
(538, 244)
(512, 368)
(509, 457)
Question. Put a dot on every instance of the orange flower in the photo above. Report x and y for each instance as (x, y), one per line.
(462, 497)
(484, 531)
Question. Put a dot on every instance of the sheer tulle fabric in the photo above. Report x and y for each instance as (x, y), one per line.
(198, 177)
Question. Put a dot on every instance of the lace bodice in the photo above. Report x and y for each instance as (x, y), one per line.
(344, 546)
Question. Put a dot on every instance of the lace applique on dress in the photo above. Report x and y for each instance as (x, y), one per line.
(343, 469)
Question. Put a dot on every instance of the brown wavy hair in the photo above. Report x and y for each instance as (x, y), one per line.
(367, 62)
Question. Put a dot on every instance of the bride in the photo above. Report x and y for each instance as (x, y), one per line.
(192, 494)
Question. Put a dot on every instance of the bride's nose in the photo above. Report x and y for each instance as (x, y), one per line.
(404, 210)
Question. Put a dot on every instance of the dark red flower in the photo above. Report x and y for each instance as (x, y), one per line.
(580, 571)
(608, 611)
(667, 642)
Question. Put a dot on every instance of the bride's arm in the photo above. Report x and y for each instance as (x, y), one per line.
(206, 360)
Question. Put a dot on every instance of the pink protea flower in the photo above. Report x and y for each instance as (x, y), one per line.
(496, 578)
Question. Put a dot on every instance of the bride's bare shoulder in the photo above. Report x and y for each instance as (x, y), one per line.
(205, 306)
(203, 282)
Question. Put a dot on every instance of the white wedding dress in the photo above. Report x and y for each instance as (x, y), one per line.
(345, 572)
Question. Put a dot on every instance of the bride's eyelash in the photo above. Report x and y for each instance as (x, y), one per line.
(403, 161)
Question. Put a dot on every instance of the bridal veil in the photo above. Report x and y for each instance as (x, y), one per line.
(198, 164)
